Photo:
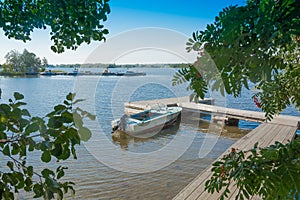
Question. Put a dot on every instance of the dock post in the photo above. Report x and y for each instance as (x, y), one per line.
(232, 122)
(227, 120)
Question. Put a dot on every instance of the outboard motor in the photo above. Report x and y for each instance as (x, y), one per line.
(123, 123)
(115, 125)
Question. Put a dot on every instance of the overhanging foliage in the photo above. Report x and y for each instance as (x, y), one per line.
(258, 43)
(54, 136)
(72, 22)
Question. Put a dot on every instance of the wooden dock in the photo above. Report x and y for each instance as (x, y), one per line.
(203, 106)
(266, 134)
(282, 129)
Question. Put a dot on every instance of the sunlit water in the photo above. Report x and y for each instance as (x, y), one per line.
(95, 180)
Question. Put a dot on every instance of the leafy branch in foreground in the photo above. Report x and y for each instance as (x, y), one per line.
(271, 172)
(71, 22)
(258, 43)
(197, 82)
(54, 136)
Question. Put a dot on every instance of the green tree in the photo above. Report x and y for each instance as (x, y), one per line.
(44, 62)
(13, 58)
(23, 62)
(30, 62)
(6, 68)
(54, 135)
(72, 22)
(258, 43)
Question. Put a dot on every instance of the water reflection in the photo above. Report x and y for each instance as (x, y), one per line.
(203, 123)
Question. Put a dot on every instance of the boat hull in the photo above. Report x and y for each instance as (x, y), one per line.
(157, 129)
(152, 127)
(149, 126)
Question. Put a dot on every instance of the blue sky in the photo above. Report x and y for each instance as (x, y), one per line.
(184, 17)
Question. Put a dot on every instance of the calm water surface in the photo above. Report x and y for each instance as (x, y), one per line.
(95, 180)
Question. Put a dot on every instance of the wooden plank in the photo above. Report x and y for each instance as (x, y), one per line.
(265, 138)
(256, 198)
(193, 187)
(269, 133)
(141, 105)
(243, 146)
(196, 187)
(229, 112)
(286, 120)
(266, 134)
(173, 100)
(279, 133)
(197, 192)
(290, 135)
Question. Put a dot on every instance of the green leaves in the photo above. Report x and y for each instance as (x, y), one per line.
(54, 135)
(32, 128)
(70, 97)
(71, 23)
(270, 172)
(85, 134)
(46, 156)
(55, 122)
(6, 150)
(47, 172)
(18, 96)
(195, 79)
(255, 43)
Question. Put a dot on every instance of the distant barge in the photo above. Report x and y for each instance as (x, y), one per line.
(106, 72)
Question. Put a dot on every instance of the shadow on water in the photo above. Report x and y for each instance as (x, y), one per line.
(203, 122)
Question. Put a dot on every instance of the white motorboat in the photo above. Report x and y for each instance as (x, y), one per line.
(147, 122)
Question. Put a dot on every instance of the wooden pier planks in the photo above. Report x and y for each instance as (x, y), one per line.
(184, 102)
(229, 112)
(266, 134)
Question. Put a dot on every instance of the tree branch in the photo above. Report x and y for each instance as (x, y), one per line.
(21, 164)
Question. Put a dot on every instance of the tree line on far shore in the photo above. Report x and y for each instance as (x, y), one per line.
(23, 63)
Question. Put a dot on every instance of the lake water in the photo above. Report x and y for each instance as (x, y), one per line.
(131, 168)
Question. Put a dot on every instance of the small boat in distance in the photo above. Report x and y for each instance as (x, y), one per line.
(149, 122)
(74, 73)
(48, 73)
(106, 72)
(134, 73)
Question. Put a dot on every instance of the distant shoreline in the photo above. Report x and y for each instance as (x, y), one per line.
(58, 69)
(102, 65)
(75, 72)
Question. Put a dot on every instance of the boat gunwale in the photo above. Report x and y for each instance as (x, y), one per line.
(148, 119)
